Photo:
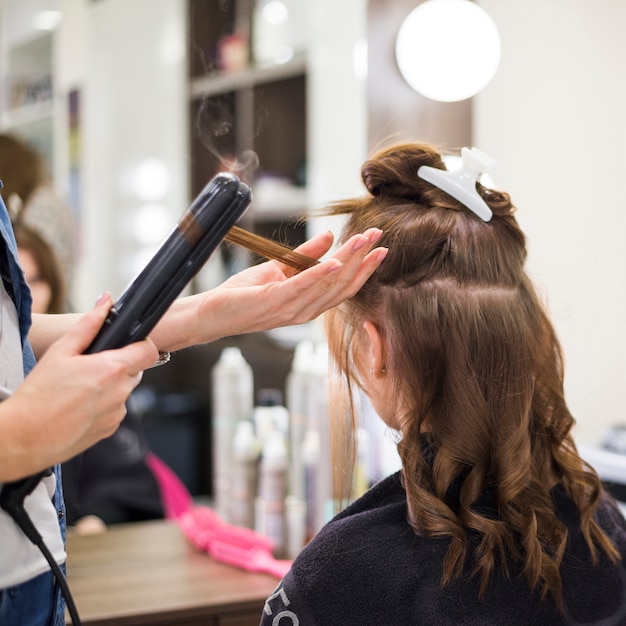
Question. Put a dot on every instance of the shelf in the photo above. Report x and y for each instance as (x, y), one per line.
(214, 84)
(34, 113)
(286, 202)
(253, 120)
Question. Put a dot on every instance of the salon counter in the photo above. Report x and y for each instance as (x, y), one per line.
(148, 574)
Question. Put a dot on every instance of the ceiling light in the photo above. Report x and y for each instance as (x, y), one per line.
(448, 50)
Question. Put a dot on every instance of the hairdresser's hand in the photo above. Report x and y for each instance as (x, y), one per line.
(270, 295)
(70, 400)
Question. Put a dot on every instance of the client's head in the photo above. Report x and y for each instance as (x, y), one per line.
(453, 347)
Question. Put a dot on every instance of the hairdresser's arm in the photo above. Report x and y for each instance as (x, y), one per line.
(271, 295)
(259, 298)
(70, 400)
(46, 329)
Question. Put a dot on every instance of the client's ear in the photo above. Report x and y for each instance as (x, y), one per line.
(377, 355)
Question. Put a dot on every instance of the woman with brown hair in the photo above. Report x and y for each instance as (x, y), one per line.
(32, 199)
(42, 271)
(494, 517)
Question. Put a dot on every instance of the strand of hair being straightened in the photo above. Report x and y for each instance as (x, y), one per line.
(269, 249)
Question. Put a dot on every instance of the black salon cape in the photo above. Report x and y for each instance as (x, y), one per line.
(368, 567)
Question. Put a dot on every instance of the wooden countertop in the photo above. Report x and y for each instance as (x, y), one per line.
(147, 573)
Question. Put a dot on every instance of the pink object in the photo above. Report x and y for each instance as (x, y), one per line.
(176, 499)
(233, 545)
(202, 525)
(250, 559)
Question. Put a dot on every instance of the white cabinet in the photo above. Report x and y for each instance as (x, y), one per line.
(27, 102)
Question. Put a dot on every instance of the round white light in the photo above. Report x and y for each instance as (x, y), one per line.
(47, 20)
(282, 54)
(448, 50)
(151, 180)
(150, 224)
(275, 12)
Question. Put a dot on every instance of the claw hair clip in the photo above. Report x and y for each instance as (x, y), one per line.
(461, 183)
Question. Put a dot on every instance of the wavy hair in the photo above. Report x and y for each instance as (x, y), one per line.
(474, 361)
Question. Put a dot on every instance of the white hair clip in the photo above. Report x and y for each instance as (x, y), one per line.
(461, 183)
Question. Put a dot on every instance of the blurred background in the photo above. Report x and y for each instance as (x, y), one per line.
(136, 104)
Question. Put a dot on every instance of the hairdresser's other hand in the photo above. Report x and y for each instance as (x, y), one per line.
(70, 400)
(271, 294)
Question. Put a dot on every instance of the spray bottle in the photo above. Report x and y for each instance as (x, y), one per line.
(310, 462)
(246, 453)
(232, 394)
(319, 423)
(270, 414)
(270, 503)
(298, 389)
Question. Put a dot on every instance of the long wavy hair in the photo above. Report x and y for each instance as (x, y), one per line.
(474, 361)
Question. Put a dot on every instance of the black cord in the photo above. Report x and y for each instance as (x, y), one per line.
(12, 501)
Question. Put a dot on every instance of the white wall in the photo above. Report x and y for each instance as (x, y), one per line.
(553, 117)
(71, 69)
(128, 60)
(337, 101)
(17, 19)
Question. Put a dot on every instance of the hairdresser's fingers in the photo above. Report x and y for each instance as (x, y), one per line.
(78, 338)
(317, 246)
(137, 357)
(353, 271)
(351, 276)
(358, 246)
(132, 359)
(353, 250)
(367, 267)
(326, 285)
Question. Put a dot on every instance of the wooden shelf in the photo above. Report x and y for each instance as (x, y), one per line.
(214, 84)
(253, 121)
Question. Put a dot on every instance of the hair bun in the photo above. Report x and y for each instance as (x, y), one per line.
(393, 172)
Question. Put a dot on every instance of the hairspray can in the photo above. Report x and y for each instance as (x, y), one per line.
(232, 395)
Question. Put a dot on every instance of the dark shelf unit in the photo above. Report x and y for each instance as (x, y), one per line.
(253, 121)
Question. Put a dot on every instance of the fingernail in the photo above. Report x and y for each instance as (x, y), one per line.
(374, 234)
(334, 265)
(103, 298)
(360, 243)
(381, 254)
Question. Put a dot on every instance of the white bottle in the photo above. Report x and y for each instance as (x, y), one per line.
(232, 394)
(297, 390)
(270, 509)
(310, 462)
(319, 422)
(246, 453)
(270, 414)
(295, 515)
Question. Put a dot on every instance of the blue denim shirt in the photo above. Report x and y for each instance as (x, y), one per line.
(21, 292)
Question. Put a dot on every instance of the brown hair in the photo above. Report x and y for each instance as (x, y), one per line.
(269, 249)
(47, 264)
(475, 363)
(22, 169)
